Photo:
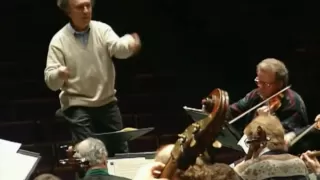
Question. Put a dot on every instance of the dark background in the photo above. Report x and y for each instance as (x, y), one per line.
(189, 48)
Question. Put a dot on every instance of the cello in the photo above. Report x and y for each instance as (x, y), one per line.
(197, 137)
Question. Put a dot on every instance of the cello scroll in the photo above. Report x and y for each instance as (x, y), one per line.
(198, 136)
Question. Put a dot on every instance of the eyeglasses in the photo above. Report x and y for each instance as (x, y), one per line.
(261, 83)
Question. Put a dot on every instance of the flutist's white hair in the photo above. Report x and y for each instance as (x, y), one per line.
(92, 150)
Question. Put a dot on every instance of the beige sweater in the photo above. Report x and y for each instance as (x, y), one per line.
(92, 73)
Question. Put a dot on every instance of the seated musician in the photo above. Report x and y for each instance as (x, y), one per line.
(271, 159)
(95, 153)
(200, 171)
(312, 163)
(272, 76)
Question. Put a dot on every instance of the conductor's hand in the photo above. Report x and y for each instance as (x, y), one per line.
(63, 73)
(135, 46)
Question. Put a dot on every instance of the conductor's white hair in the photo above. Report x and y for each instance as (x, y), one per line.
(276, 66)
(64, 4)
(92, 150)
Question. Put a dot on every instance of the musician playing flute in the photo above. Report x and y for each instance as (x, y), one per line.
(79, 63)
(272, 76)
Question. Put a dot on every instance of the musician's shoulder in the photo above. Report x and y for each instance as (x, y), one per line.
(99, 24)
(295, 98)
(253, 93)
(293, 94)
(271, 166)
(278, 157)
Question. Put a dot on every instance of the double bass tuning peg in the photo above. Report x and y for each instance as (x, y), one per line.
(217, 144)
(196, 127)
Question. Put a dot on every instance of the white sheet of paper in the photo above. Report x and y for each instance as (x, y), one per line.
(9, 146)
(243, 144)
(126, 167)
(15, 166)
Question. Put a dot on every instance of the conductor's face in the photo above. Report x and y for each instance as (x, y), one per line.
(80, 12)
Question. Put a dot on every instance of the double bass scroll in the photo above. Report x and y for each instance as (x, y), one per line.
(198, 136)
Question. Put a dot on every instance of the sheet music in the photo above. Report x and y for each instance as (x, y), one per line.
(16, 166)
(243, 144)
(127, 167)
(9, 146)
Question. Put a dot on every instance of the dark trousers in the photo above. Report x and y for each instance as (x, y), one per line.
(84, 121)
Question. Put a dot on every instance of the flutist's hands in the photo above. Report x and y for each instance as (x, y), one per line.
(311, 162)
(150, 171)
(135, 46)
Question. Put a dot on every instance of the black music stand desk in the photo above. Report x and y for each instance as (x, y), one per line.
(228, 137)
(124, 135)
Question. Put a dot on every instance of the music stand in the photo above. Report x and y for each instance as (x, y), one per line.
(195, 114)
(127, 134)
(228, 137)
